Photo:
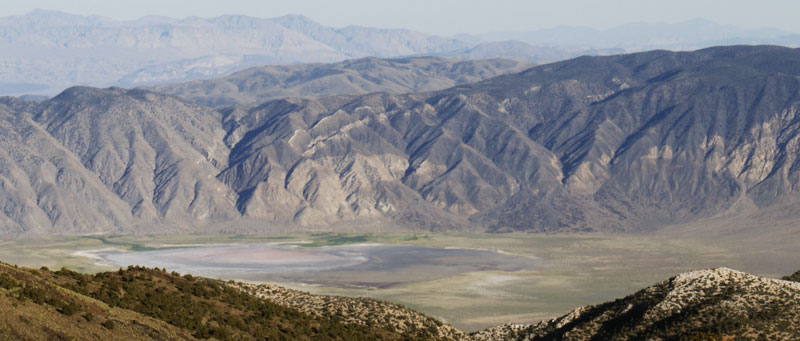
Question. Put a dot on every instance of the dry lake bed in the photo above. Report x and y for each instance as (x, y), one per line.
(470, 280)
(358, 266)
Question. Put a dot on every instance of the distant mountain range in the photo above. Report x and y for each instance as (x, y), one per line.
(45, 52)
(352, 77)
(49, 50)
(619, 143)
(634, 37)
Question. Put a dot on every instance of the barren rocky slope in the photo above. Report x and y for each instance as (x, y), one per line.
(351, 77)
(618, 143)
(628, 142)
(92, 160)
(709, 304)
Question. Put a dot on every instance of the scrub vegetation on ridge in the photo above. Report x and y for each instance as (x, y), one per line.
(169, 306)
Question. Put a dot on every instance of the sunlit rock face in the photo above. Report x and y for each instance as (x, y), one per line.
(597, 143)
(619, 143)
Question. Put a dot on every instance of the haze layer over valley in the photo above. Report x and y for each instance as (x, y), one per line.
(44, 52)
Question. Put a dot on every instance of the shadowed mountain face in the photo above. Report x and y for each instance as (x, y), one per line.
(619, 143)
(352, 77)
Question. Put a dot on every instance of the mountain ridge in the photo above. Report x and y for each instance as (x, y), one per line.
(351, 77)
(642, 36)
(619, 143)
(103, 52)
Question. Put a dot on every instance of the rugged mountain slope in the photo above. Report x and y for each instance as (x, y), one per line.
(351, 77)
(708, 304)
(517, 50)
(95, 160)
(599, 143)
(617, 143)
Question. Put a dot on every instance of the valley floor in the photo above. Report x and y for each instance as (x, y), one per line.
(571, 269)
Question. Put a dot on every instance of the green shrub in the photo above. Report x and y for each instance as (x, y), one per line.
(108, 324)
(35, 294)
(6, 282)
(68, 308)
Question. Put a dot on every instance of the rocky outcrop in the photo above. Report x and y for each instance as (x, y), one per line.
(718, 304)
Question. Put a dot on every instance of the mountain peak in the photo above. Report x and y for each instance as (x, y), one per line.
(51, 18)
(46, 13)
(297, 18)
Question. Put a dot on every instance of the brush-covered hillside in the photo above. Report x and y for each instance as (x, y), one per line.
(151, 304)
(716, 304)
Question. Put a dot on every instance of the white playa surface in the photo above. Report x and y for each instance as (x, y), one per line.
(350, 266)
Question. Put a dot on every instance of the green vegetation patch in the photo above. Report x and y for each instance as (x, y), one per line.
(207, 308)
(334, 239)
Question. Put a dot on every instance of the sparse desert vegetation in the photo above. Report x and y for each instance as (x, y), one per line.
(715, 304)
(143, 303)
(356, 310)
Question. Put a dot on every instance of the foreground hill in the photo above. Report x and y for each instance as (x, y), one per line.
(34, 308)
(351, 77)
(150, 304)
(146, 304)
(619, 143)
(708, 305)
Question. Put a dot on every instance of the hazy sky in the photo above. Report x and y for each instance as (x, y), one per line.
(448, 16)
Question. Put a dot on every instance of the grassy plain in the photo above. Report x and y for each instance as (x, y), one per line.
(574, 269)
